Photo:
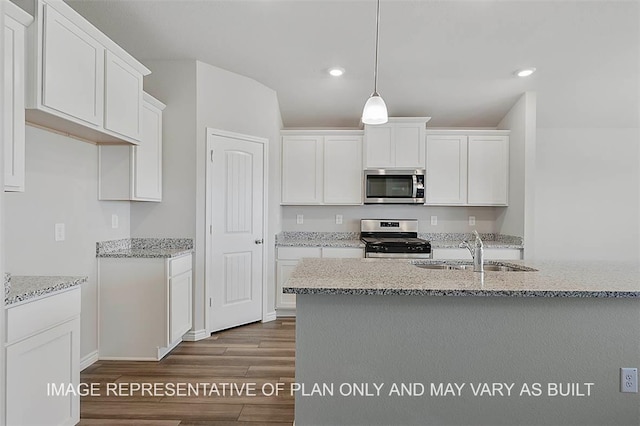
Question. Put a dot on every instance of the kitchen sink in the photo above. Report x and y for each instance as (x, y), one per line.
(488, 267)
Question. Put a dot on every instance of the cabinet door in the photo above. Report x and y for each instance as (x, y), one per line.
(284, 268)
(408, 142)
(302, 169)
(147, 157)
(33, 364)
(342, 170)
(488, 176)
(179, 306)
(123, 98)
(379, 149)
(14, 89)
(343, 252)
(73, 70)
(446, 179)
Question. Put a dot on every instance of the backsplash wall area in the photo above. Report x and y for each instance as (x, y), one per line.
(450, 219)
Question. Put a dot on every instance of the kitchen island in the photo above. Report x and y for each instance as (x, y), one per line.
(387, 342)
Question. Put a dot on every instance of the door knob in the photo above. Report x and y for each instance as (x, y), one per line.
(260, 241)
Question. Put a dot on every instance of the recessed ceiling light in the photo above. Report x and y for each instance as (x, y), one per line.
(336, 71)
(525, 72)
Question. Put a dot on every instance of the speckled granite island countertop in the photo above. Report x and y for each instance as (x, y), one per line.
(145, 247)
(401, 277)
(27, 288)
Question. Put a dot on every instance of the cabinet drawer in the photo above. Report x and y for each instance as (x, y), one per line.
(294, 253)
(180, 265)
(32, 317)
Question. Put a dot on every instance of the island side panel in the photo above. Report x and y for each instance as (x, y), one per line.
(402, 339)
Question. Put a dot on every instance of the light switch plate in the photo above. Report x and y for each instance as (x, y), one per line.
(114, 221)
(299, 219)
(434, 220)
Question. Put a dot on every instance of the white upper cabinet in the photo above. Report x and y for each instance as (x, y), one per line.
(15, 23)
(467, 167)
(80, 81)
(135, 172)
(72, 69)
(488, 170)
(342, 170)
(302, 169)
(446, 173)
(396, 144)
(122, 98)
(321, 167)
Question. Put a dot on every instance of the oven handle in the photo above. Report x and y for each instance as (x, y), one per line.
(399, 255)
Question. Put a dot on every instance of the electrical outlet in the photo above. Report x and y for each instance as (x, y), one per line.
(472, 221)
(114, 221)
(299, 219)
(338, 219)
(629, 380)
(434, 220)
(59, 232)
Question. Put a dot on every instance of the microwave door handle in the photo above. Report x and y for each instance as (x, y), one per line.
(415, 186)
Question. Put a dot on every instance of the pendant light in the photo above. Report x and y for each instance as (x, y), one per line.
(375, 110)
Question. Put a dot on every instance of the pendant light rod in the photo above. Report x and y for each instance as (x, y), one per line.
(375, 72)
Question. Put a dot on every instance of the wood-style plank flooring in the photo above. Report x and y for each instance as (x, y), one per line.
(256, 353)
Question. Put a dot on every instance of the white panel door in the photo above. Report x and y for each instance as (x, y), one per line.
(343, 170)
(235, 188)
(73, 81)
(488, 170)
(302, 169)
(446, 170)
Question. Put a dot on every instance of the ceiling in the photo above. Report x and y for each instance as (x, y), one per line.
(450, 60)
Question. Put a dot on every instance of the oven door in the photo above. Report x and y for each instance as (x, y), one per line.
(387, 186)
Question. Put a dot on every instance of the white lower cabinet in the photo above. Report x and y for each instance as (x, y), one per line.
(145, 306)
(489, 254)
(43, 350)
(288, 258)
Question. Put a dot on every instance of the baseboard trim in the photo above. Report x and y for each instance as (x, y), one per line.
(88, 359)
(195, 335)
(269, 316)
(286, 313)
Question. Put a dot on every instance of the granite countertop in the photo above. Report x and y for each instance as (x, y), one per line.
(144, 248)
(27, 288)
(352, 239)
(401, 277)
(319, 239)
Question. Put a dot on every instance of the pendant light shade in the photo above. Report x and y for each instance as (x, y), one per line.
(375, 110)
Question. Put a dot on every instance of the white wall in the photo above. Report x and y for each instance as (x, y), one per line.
(231, 102)
(173, 83)
(517, 219)
(450, 219)
(198, 96)
(61, 187)
(587, 194)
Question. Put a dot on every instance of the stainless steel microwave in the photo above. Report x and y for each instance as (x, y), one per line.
(394, 186)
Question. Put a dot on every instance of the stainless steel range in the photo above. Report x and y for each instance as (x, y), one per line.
(393, 238)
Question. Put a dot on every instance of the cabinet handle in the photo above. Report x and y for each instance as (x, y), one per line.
(260, 241)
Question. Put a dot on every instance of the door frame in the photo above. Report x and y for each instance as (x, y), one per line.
(208, 270)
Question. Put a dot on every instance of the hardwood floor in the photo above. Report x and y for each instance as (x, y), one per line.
(257, 356)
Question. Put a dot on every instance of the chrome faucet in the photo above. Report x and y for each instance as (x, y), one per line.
(477, 252)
